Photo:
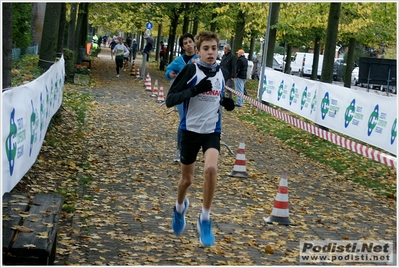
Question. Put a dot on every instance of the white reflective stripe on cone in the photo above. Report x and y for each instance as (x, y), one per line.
(278, 212)
(239, 168)
(282, 197)
(240, 157)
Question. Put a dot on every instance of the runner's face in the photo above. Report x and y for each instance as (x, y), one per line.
(208, 51)
(188, 46)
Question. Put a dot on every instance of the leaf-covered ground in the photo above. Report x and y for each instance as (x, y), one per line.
(110, 153)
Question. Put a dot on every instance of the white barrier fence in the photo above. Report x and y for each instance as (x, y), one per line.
(367, 117)
(347, 111)
(26, 114)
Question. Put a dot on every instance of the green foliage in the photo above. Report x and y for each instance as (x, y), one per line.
(68, 208)
(25, 69)
(80, 70)
(390, 53)
(21, 20)
(372, 24)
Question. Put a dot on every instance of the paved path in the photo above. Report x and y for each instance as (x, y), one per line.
(123, 216)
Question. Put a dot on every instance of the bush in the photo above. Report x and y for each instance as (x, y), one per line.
(25, 69)
(69, 57)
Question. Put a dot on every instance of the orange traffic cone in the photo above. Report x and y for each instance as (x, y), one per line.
(280, 212)
(239, 169)
(148, 83)
(132, 71)
(160, 94)
(155, 89)
(138, 73)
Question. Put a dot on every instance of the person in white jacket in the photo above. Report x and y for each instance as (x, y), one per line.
(120, 50)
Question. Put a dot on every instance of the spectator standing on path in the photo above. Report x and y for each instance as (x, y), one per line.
(200, 86)
(120, 50)
(162, 54)
(100, 38)
(241, 75)
(147, 50)
(105, 38)
(135, 48)
(186, 42)
(112, 45)
(255, 75)
(94, 42)
(128, 42)
(126, 58)
(229, 62)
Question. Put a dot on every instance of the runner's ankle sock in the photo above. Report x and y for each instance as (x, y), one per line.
(179, 207)
(205, 214)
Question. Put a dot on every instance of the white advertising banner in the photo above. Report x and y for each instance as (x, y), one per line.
(26, 114)
(365, 116)
(296, 95)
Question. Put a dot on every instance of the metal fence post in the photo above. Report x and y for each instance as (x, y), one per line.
(143, 65)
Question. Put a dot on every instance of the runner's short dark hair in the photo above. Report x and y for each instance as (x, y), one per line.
(184, 36)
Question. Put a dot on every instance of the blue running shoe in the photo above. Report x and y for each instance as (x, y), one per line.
(205, 233)
(178, 220)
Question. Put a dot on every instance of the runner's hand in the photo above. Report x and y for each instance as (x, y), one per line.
(204, 85)
(228, 104)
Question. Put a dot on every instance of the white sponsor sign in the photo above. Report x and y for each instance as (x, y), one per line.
(26, 114)
(361, 115)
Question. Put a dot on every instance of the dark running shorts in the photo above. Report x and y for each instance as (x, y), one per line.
(191, 143)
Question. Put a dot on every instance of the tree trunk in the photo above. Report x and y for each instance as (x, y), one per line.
(287, 66)
(50, 35)
(7, 45)
(251, 48)
(172, 34)
(239, 31)
(331, 40)
(196, 20)
(272, 35)
(71, 30)
(81, 29)
(349, 63)
(186, 19)
(195, 26)
(158, 41)
(316, 53)
(213, 23)
(36, 27)
(61, 31)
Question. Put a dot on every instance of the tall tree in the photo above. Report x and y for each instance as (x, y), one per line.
(186, 17)
(331, 41)
(173, 12)
(50, 35)
(239, 30)
(351, 56)
(81, 29)
(213, 25)
(38, 11)
(196, 18)
(158, 41)
(316, 53)
(72, 27)
(272, 35)
(371, 25)
(61, 31)
(7, 44)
